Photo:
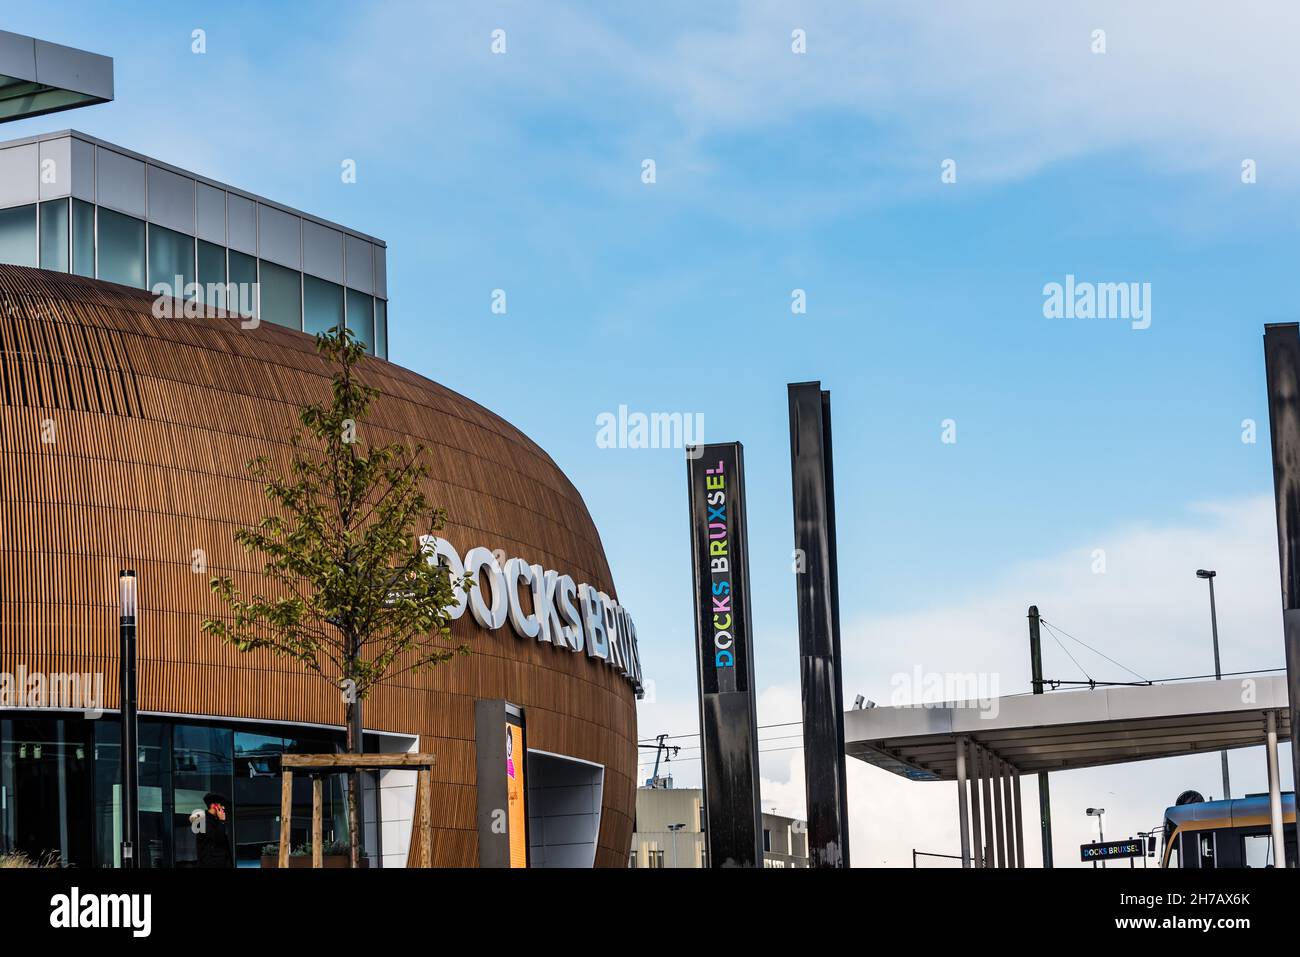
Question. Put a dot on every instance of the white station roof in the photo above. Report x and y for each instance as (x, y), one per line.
(1061, 730)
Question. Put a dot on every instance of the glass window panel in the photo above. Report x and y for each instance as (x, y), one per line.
(45, 776)
(202, 764)
(153, 781)
(121, 248)
(171, 260)
(361, 318)
(212, 274)
(83, 238)
(322, 305)
(242, 293)
(18, 236)
(257, 795)
(54, 235)
(381, 328)
(281, 295)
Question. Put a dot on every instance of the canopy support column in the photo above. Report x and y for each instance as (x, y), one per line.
(977, 843)
(999, 786)
(963, 812)
(1020, 821)
(986, 772)
(1275, 793)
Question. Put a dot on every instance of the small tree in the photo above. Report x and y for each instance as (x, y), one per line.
(358, 601)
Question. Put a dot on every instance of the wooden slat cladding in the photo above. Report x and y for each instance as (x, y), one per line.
(123, 443)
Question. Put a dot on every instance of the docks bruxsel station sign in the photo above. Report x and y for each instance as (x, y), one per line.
(571, 616)
(1110, 850)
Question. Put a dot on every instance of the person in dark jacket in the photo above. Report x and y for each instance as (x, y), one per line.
(213, 840)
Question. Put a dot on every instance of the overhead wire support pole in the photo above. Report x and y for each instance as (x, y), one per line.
(1044, 789)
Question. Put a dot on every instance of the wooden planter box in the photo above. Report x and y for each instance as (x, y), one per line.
(327, 861)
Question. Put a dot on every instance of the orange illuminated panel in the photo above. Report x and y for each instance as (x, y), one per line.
(515, 795)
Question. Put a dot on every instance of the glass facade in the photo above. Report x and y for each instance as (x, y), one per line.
(171, 260)
(79, 237)
(55, 248)
(322, 305)
(243, 282)
(121, 248)
(60, 788)
(381, 328)
(83, 238)
(18, 236)
(212, 274)
(281, 295)
(361, 318)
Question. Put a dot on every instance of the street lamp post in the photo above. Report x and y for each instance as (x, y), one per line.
(127, 599)
(1098, 812)
(1208, 575)
(675, 828)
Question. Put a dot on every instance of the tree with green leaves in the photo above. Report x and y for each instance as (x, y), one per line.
(354, 595)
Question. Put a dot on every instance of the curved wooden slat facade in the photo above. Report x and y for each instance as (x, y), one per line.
(152, 423)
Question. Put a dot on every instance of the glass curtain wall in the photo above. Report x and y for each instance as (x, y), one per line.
(61, 802)
(55, 251)
(121, 248)
(171, 260)
(77, 236)
(18, 236)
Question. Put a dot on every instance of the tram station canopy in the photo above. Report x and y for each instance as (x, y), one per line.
(1063, 730)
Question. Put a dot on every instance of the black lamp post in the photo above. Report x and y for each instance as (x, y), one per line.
(1209, 575)
(126, 589)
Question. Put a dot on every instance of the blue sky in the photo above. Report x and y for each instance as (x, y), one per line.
(820, 172)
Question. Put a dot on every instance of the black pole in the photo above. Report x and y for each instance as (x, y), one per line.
(1282, 369)
(1218, 676)
(817, 589)
(127, 708)
(1044, 790)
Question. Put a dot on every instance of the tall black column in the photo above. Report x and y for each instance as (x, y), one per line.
(1282, 365)
(1044, 792)
(817, 588)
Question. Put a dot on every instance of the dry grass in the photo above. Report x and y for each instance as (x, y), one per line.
(15, 859)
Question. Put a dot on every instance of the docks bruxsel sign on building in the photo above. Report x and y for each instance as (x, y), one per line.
(571, 616)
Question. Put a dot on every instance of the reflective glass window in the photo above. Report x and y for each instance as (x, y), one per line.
(54, 235)
(121, 248)
(212, 274)
(381, 328)
(201, 766)
(171, 260)
(83, 238)
(242, 292)
(18, 236)
(281, 295)
(45, 783)
(361, 318)
(155, 796)
(322, 305)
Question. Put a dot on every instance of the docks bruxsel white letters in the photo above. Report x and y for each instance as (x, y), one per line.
(565, 614)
